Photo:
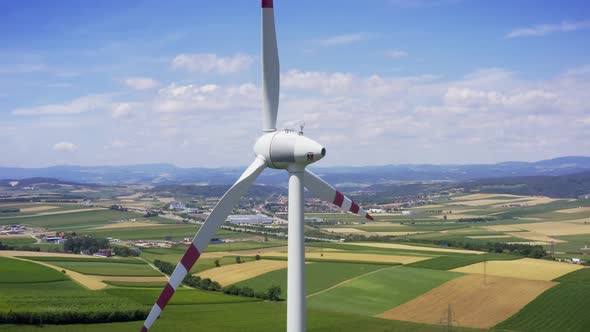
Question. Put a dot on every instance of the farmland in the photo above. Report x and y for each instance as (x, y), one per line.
(401, 282)
(475, 302)
(561, 308)
(318, 276)
(18, 271)
(380, 291)
(526, 268)
(231, 274)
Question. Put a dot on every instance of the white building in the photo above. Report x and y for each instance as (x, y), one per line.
(249, 219)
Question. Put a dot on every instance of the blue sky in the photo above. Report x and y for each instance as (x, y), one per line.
(377, 81)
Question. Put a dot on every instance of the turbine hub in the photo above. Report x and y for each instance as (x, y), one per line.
(286, 148)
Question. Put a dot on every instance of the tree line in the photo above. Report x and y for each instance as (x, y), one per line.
(71, 317)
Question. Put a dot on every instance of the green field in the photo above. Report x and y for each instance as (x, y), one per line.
(240, 317)
(452, 262)
(109, 269)
(18, 241)
(580, 276)
(377, 292)
(175, 231)
(561, 308)
(182, 296)
(318, 276)
(72, 220)
(173, 255)
(102, 266)
(17, 271)
(573, 243)
(59, 296)
(387, 251)
(81, 258)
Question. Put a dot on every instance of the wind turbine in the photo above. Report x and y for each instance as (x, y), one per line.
(279, 149)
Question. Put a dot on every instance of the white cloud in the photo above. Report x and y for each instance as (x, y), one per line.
(65, 147)
(396, 54)
(212, 63)
(78, 105)
(487, 115)
(141, 83)
(545, 29)
(122, 110)
(208, 97)
(344, 39)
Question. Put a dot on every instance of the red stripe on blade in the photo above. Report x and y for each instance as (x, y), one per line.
(267, 4)
(165, 296)
(354, 208)
(144, 329)
(370, 217)
(339, 199)
(190, 257)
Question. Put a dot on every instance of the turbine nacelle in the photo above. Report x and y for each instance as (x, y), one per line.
(285, 148)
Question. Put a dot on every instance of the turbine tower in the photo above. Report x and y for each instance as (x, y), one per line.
(278, 149)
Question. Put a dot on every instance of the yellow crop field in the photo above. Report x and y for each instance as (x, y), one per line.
(489, 236)
(526, 268)
(554, 228)
(56, 212)
(231, 274)
(583, 221)
(38, 208)
(410, 247)
(343, 256)
(483, 196)
(474, 303)
(581, 209)
(533, 236)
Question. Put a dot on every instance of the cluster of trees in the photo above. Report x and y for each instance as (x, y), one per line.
(476, 219)
(204, 284)
(150, 214)
(90, 244)
(164, 267)
(76, 244)
(124, 251)
(71, 317)
(121, 208)
(271, 294)
(524, 250)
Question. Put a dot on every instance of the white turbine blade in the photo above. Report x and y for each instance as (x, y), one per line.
(204, 235)
(270, 67)
(329, 194)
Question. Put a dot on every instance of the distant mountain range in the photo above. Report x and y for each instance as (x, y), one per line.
(556, 186)
(343, 176)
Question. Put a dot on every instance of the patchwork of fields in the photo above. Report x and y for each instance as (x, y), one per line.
(404, 285)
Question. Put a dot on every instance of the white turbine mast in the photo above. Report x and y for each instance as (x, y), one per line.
(286, 150)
